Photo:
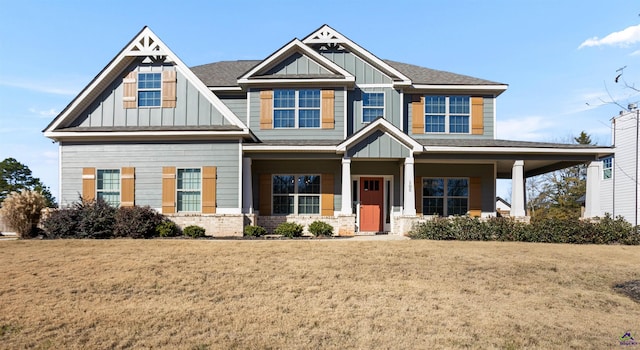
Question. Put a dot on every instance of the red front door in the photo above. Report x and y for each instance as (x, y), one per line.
(371, 204)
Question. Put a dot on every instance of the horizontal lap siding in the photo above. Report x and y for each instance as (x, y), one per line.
(392, 112)
(148, 160)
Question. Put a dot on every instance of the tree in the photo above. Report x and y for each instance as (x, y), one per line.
(15, 177)
(558, 194)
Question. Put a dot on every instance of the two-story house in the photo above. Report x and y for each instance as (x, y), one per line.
(321, 129)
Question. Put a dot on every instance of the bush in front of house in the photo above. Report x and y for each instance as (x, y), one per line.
(136, 222)
(320, 228)
(97, 219)
(21, 212)
(289, 229)
(254, 231)
(193, 231)
(168, 228)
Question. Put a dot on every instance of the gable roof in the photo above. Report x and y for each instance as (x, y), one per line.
(386, 127)
(144, 44)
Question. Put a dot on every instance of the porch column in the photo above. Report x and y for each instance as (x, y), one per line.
(592, 197)
(517, 189)
(247, 186)
(346, 208)
(409, 190)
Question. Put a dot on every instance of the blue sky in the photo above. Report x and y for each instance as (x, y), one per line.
(559, 58)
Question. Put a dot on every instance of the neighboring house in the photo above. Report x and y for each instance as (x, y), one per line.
(619, 184)
(502, 207)
(321, 129)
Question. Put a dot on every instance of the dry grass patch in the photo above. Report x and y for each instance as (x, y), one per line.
(314, 294)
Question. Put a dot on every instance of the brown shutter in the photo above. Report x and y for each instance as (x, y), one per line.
(88, 184)
(265, 194)
(477, 115)
(168, 190)
(417, 115)
(328, 110)
(418, 194)
(169, 89)
(475, 196)
(130, 90)
(266, 109)
(326, 197)
(208, 190)
(127, 186)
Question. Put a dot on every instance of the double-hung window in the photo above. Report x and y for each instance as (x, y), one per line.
(149, 89)
(607, 167)
(296, 108)
(445, 196)
(296, 194)
(189, 194)
(372, 106)
(447, 114)
(108, 186)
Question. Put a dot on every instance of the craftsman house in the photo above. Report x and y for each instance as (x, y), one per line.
(321, 129)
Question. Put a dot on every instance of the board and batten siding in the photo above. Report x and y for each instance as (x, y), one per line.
(297, 64)
(378, 145)
(192, 109)
(360, 69)
(335, 133)
(392, 111)
(148, 160)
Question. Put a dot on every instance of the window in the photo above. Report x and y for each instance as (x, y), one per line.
(149, 89)
(372, 106)
(296, 194)
(447, 114)
(296, 108)
(607, 166)
(189, 196)
(108, 186)
(445, 196)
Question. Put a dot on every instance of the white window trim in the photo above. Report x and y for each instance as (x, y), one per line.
(447, 115)
(296, 109)
(138, 89)
(119, 183)
(607, 168)
(179, 190)
(296, 195)
(363, 107)
(444, 196)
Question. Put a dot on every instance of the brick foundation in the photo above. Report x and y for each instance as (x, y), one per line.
(343, 225)
(218, 225)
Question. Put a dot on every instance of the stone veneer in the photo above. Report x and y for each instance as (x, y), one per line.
(216, 225)
(343, 225)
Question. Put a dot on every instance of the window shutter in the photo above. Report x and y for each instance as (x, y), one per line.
(130, 90)
(418, 193)
(127, 186)
(265, 194)
(209, 190)
(326, 196)
(477, 115)
(475, 196)
(417, 115)
(328, 110)
(266, 109)
(168, 190)
(88, 184)
(169, 89)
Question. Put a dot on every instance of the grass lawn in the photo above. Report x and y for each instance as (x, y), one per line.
(314, 294)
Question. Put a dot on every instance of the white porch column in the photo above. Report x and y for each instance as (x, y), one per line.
(346, 208)
(592, 197)
(247, 186)
(409, 190)
(517, 189)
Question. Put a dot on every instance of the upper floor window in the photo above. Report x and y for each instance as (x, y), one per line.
(108, 186)
(372, 106)
(445, 196)
(447, 114)
(296, 108)
(296, 194)
(189, 196)
(149, 89)
(607, 167)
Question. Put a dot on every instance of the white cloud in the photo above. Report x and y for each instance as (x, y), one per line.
(635, 53)
(44, 113)
(532, 128)
(40, 87)
(623, 38)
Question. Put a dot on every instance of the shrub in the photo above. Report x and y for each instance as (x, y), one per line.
(168, 228)
(194, 231)
(254, 231)
(62, 223)
(320, 228)
(97, 219)
(21, 212)
(136, 222)
(289, 229)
